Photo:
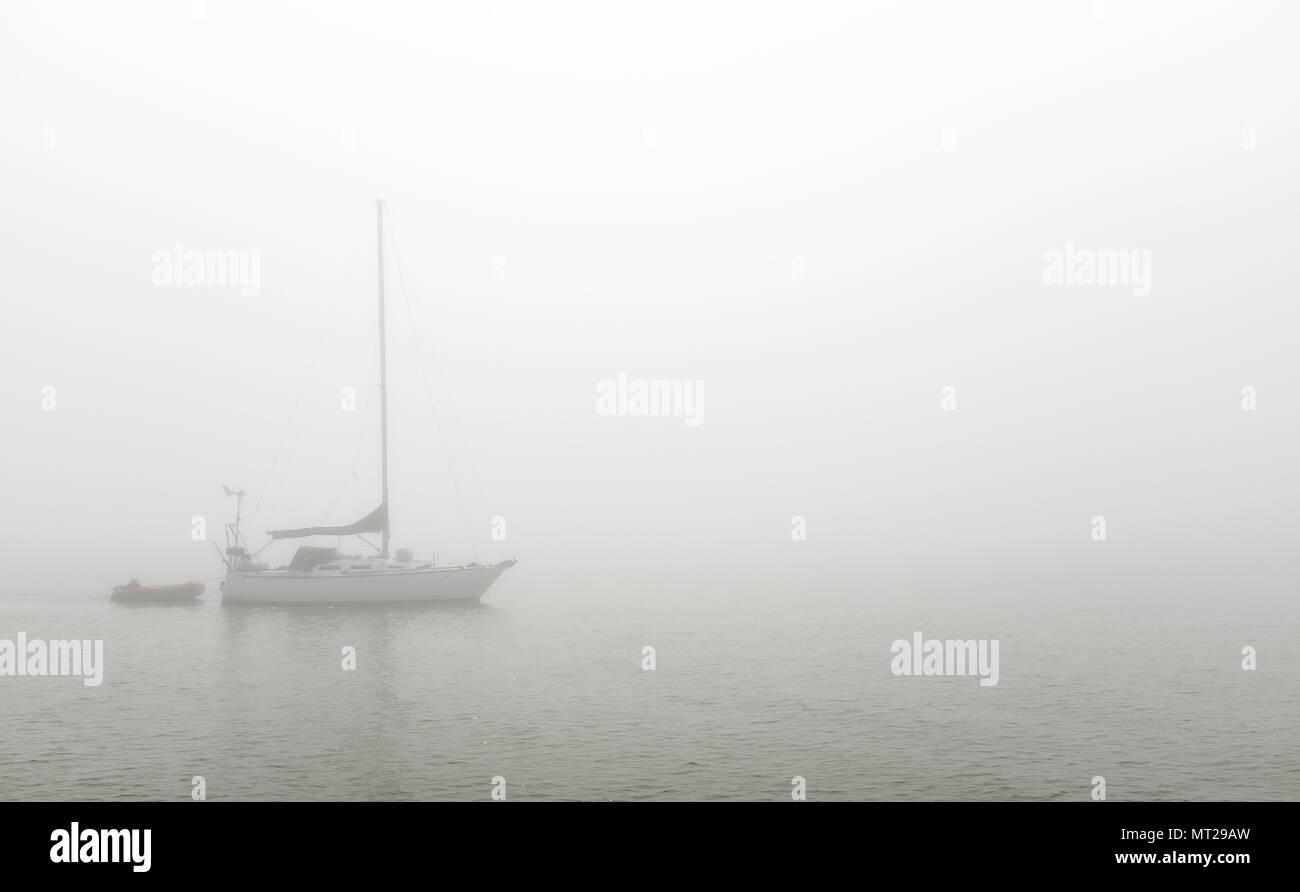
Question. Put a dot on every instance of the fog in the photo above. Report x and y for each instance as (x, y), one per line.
(825, 214)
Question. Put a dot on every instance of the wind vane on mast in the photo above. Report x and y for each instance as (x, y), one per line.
(235, 551)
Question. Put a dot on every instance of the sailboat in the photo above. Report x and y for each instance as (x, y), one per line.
(324, 575)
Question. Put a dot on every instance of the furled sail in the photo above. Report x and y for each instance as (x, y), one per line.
(374, 522)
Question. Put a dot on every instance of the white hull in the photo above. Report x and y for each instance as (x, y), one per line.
(385, 587)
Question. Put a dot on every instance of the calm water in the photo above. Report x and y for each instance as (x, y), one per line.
(548, 691)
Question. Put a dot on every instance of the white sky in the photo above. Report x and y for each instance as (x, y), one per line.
(651, 174)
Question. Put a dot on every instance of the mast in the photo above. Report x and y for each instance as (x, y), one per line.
(383, 374)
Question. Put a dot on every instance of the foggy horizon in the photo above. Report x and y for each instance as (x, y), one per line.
(656, 238)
